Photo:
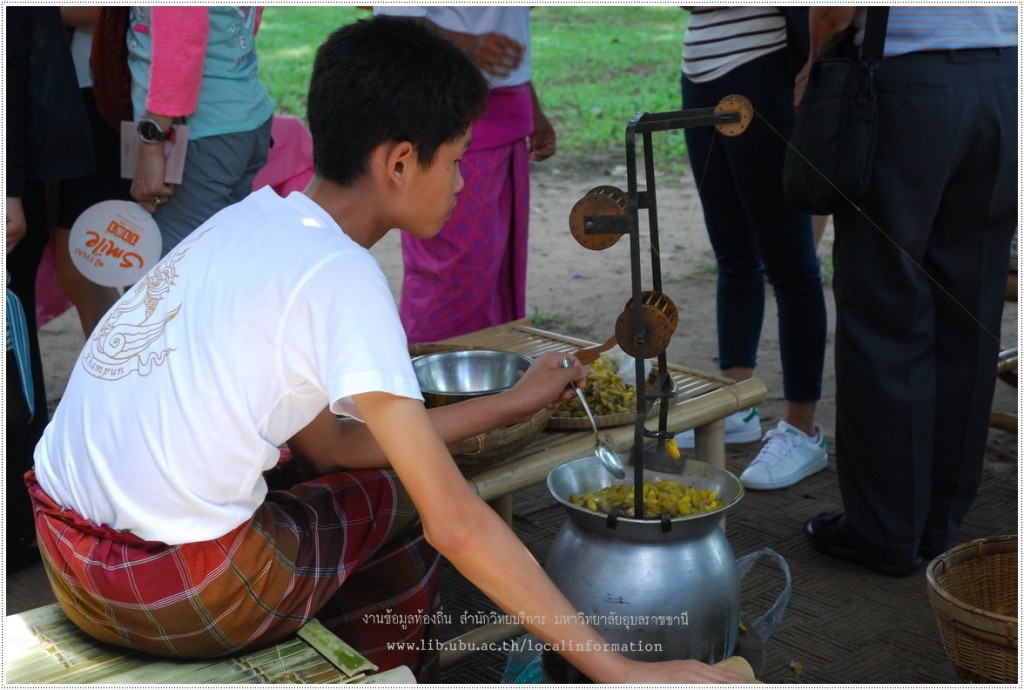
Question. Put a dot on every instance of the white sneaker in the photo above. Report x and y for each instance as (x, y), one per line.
(740, 427)
(788, 456)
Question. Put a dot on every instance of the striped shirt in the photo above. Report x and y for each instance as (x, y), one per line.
(720, 39)
(918, 29)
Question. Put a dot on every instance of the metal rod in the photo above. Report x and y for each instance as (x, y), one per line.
(644, 124)
(639, 339)
(682, 119)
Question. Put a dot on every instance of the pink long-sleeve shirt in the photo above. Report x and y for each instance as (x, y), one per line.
(199, 63)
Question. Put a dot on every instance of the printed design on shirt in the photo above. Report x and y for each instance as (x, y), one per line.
(123, 343)
(242, 32)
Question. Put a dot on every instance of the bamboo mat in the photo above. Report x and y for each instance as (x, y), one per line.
(42, 646)
(522, 337)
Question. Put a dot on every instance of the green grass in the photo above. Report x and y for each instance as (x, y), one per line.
(594, 68)
(287, 43)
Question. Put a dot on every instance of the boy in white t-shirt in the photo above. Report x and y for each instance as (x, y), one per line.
(167, 522)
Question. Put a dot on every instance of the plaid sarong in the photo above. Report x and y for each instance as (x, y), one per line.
(345, 548)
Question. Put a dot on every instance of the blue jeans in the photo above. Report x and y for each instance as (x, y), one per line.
(754, 233)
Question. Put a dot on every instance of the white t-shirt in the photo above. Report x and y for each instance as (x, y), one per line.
(235, 341)
(513, 22)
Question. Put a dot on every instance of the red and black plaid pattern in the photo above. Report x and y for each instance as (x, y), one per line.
(337, 548)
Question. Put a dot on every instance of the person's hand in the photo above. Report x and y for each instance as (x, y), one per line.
(546, 384)
(688, 671)
(541, 143)
(496, 54)
(16, 225)
(148, 186)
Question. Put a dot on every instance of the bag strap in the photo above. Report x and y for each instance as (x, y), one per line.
(874, 33)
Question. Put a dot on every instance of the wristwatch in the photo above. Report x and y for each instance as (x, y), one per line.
(152, 133)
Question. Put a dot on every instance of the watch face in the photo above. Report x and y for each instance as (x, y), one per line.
(150, 131)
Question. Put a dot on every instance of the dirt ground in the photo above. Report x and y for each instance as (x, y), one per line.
(580, 292)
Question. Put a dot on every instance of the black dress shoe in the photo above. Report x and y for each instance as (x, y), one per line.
(828, 534)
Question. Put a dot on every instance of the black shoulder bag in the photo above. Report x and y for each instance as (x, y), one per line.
(831, 150)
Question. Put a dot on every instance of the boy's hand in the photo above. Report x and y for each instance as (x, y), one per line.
(546, 383)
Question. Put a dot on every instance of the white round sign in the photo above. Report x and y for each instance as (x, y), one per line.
(114, 243)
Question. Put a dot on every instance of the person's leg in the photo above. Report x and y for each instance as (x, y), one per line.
(253, 586)
(739, 298)
(253, 154)
(819, 223)
(760, 226)
(389, 609)
(740, 289)
(783, 237)
(966, 253)
(887, 373)
(90, 299)
(21, 439)
(76, 195)
(219, 171)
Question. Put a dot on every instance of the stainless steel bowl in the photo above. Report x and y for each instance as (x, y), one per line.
(449, 377)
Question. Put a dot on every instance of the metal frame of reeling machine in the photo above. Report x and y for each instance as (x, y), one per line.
(646, 324)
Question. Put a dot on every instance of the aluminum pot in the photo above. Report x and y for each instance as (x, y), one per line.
(654, 590)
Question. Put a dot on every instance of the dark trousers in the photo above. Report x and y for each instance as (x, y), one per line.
(754, 233)
(22, 266)
(920, 279)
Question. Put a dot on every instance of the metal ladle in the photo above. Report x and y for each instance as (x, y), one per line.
(604, 452)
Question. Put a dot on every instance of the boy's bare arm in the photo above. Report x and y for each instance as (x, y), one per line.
(486, 551)
(329, 444)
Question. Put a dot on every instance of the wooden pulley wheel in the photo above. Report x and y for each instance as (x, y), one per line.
(735, 104)
(660, 320)
(599, 201)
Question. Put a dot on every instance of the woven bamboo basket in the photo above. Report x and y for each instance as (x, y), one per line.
(561, 422)
(497, 445)
(603, 421)
(973, 590)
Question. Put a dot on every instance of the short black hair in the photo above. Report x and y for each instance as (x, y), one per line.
(388, 79)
